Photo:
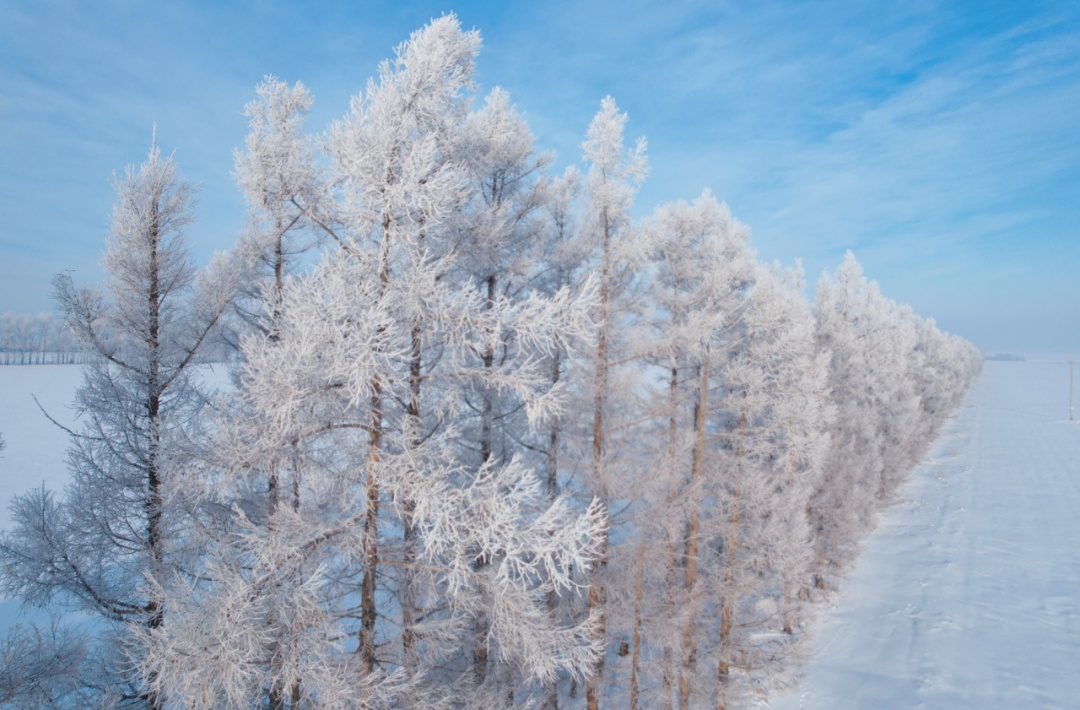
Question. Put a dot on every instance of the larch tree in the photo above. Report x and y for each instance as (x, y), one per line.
(561, 258)
(702, 270)
(401, 544)
(770, 428)
(881, 356)
(497, 228)
(40, 667)
(844, 500)
(285, 192)
(614, 173)
(109, 538)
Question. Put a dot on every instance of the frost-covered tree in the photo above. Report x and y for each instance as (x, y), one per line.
(844, 311)
(498, 228)
(97, 547)
(770, 426)
(40, 667)
(738, 399)
(285, 193)
(401, 541)
(489, 440)
(700, 270)
(882, 356)
(609, 188)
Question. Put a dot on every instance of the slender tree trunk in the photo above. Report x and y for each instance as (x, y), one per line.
(786, 601)
(154, 536)
(553, 438)
(489, 361)
(673, 430)
(368, 610)
(482, 626)
(273, 335)
(636, 638)
(689, 663)
(727, 609)
(371, 533)
(408, 592)
(597, 592)
(551, 688)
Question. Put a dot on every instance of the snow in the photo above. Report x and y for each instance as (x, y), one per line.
(968, 593)
(35, 449)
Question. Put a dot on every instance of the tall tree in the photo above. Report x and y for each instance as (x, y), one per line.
(400, 544)
(285, 193)
(613, 176)
(496, 227)
(770, 428)
(96, 548)
(702, 271)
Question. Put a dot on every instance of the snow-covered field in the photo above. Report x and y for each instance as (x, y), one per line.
(35, 448)
(35, 451)
(968, 593)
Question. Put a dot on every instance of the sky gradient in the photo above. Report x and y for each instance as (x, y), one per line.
(940, 141)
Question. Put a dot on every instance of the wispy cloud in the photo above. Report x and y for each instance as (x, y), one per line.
(937, 138)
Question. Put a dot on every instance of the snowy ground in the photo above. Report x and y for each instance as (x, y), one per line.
(35, 451)
(968, 594)
(35, 448)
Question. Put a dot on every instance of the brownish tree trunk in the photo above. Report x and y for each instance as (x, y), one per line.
(597, 592)
(689, 663)
(636, 638)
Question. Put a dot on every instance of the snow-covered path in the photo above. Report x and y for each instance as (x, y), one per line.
(968, 593)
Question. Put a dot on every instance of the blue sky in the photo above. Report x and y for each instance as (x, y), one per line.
(940, 141)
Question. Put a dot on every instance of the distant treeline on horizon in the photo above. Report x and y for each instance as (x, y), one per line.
(37, 340)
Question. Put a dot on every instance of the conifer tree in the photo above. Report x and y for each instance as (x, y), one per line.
(100, 546)
(400, 545)
(613, 175)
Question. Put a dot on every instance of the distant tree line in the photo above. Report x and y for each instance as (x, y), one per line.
(38, 340)
(491, 442)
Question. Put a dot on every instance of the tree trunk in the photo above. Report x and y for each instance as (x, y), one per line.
(408, 592)
(727, 609)
(636, 638)
(368, 610)
(673, 430)
(689, 663)
(371, 533)
(153, 406)
(597, 593)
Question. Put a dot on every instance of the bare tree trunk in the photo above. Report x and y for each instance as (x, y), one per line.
(727, 609)
(368, 610)
(673, 430)
(551, 688)
(689, 663)
(597, 592)
(786, 601)
(480, 647)
(636, 638)
(408, 591)
(153, 406)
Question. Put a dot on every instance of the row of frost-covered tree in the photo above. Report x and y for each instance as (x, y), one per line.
(490, 441)
(37, 340)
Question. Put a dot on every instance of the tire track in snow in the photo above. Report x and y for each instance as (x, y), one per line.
(968, 593)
